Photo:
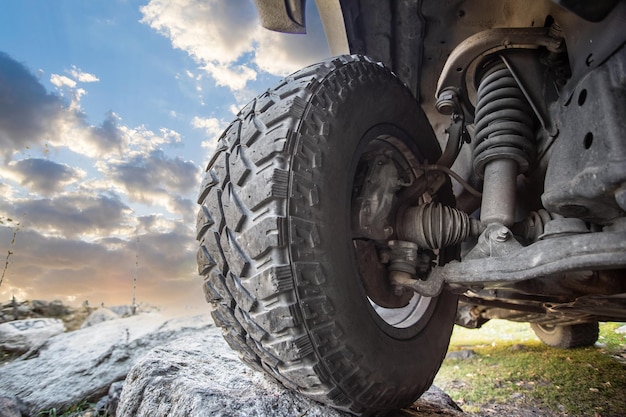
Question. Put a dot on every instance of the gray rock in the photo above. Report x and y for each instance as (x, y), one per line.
(49, 309)
(201, 376)
(107, 406)
(435, 396)
(39, 304)
(10, 406)
(461, 354)
(122, 311)
(81, 365)
(621, 330)
(99, 316)
(23, 310)
(23, 335)
(8, 317)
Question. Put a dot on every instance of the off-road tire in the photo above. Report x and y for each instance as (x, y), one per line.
(567, 336)
(275, 240)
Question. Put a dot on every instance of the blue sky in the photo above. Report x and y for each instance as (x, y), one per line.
(109, 110)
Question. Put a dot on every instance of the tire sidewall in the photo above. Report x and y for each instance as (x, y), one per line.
(409, 362)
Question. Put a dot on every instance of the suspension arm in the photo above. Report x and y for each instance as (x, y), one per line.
(605, 250)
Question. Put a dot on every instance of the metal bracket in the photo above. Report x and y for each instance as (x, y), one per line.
(373, 207)
(457, 75)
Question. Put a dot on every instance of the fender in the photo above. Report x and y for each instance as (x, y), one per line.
(288, 16)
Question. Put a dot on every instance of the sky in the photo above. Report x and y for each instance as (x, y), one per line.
(109, 112)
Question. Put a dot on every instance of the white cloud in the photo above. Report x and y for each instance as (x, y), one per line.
(70, 130)
(227, 41)
(83, 77)
(212, 127)
(78, 228)
(281, 54)
(62, 81)
(215, 33)
(233, 77)
(224, 40)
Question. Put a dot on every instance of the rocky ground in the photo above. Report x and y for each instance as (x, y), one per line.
(151, 365)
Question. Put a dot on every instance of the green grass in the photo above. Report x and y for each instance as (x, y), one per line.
(76, 410)
(512, 366)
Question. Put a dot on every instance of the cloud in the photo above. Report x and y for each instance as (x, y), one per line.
(27, 111)
(83, 77)
(213, 128)
(78, 230)
(42, 175)
(234, 77)
(75, 215)
(155, 179)
(62, 81)
(222, 35)
(282, 54)
(215, 33)
(49, 267)
(30, 117)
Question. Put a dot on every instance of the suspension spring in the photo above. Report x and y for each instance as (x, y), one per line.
(504, 141)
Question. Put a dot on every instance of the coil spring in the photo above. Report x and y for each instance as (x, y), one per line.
(504, 123)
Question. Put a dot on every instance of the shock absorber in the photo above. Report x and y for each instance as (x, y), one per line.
(504, 141)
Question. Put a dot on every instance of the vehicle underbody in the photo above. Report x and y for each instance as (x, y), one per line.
(522, 216)
(569, 60)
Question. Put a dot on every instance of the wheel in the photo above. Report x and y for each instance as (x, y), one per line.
(567, 336)
(281, 265)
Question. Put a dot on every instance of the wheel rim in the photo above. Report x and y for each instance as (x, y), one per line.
(398, 315)
(403, 317)
(547, 328)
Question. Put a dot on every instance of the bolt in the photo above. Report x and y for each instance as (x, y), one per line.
(398, 290)
(501, 234)
(446, 102)
(388, 231)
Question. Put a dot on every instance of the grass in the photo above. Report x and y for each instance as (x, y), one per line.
(512, 366)
(77, 410)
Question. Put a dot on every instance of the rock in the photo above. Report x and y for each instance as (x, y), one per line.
(80, 366)
(122, 311)
(8, 317)
(435, 396)
(107, 406)
(19, 310)
(201, 376)
(39, 304)
(49, 309)
(23, 335)
(23, 310)
(98, 316)
(10, 406)
(461, 354)
(517, 347)
(621, 330)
